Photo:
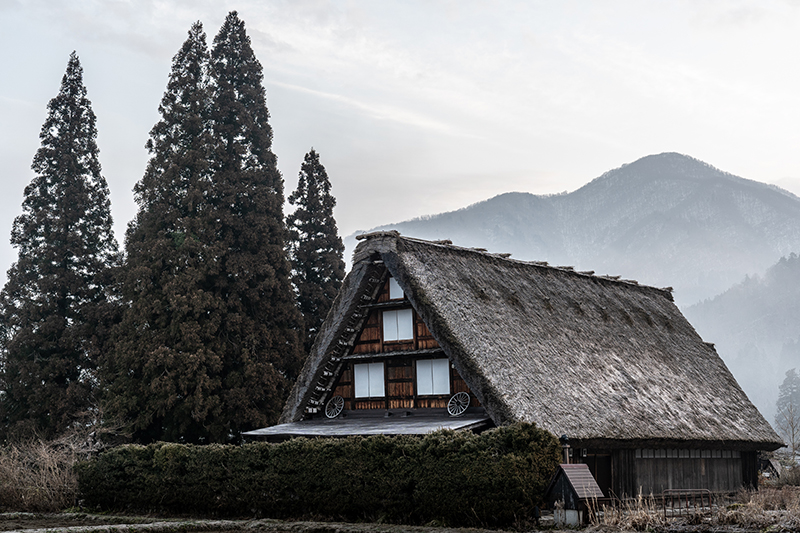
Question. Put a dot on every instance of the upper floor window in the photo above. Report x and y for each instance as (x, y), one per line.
(395, 292)
(369, 380)
(398, 325)
(433, 377)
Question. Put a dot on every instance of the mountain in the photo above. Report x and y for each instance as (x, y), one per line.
(665, 220)
(756, 327)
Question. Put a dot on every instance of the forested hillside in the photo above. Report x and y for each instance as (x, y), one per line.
(756, 327)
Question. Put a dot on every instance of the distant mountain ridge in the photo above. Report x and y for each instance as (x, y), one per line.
(665, 219)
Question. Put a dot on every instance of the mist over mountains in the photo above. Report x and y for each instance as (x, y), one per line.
(756, 326)
(665, 220)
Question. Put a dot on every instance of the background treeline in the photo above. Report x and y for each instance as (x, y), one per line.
(196, 331)
(456, 478)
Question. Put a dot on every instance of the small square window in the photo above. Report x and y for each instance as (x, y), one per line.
(433, 377)
(369, 380)
(395, 292)
(398, 325)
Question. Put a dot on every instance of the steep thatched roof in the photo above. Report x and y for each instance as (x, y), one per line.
(595, 358)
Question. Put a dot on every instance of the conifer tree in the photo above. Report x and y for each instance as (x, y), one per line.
(258, 335)
(209, 342)
(162, 379)
(55, 303)
(316, 249)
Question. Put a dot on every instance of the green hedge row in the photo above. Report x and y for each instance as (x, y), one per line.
(456, 478)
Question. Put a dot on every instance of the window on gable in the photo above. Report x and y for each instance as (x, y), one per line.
(369, 380)
(433, 377)
(398, 325)
(395, 292)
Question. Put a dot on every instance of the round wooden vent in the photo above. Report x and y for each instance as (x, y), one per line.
(334, 407)
(458, 404)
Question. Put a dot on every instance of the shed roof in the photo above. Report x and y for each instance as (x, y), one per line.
(592, 357)
(579, 479)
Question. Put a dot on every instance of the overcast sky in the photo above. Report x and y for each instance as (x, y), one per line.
(422, 107)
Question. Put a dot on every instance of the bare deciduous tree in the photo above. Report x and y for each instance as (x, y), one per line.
(787, 418)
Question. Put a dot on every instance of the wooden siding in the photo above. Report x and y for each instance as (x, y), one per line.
(424, 338)
(625, 473)
(400, 380)
(399, 370)
(624, 482)
(370, 340)
(714, 474)
(750, 469)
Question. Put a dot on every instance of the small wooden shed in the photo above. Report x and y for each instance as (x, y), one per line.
(571, 493)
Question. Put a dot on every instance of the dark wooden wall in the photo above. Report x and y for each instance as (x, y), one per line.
(714, 474)
(632, 474)
(750, 469)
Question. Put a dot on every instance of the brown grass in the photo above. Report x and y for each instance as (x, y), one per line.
(37, 476)
(770, 507)
(791, 476)
(640, 514)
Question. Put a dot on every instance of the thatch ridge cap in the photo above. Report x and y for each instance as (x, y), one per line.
(665, 292)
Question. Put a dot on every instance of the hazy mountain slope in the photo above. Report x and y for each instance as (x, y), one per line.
(756, 328)
(665, 219)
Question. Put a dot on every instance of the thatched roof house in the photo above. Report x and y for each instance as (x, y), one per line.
(611, 364)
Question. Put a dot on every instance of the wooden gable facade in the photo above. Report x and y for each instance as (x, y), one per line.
(396, 346)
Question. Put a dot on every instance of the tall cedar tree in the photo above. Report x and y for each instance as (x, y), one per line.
(211, 336)
(55, 303)
(316, 250)
(258, 326)
(164, 378)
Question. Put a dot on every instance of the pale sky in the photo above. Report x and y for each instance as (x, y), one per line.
(420, 107)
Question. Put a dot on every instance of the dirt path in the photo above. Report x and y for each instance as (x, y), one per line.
(86, 523)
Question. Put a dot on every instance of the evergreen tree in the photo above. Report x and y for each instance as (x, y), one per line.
(257, 338)
(55, 304)
(162, 379)
(787, 419)
(209, 342)
(316, 249)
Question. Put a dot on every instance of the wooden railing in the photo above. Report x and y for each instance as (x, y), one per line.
(688, 501)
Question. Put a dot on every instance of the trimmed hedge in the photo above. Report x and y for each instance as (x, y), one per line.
(455, 478)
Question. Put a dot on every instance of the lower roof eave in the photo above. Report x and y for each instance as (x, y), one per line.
(657, 443)
(372, 425)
